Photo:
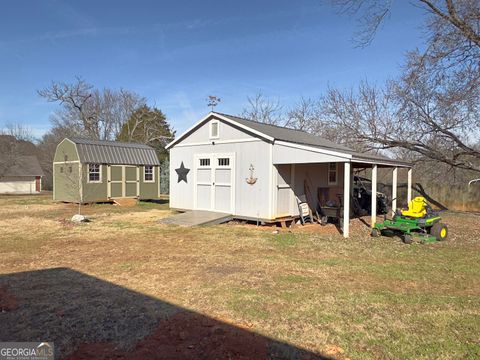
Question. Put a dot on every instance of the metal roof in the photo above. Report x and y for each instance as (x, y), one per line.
(286, 134)
(115, 152)
(23, 166)
(274, 133)
(301, 137)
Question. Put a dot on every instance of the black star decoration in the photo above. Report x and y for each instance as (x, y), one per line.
(182, 172)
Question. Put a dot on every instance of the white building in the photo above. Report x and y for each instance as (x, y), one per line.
(256, 171)
(21, 175)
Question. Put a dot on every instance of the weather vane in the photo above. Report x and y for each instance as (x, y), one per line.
(213, 101)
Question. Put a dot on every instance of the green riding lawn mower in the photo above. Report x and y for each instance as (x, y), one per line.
(420, 222)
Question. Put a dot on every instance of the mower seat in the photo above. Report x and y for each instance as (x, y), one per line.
(417, 208)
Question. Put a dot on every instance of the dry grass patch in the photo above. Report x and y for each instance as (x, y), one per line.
(362, 298)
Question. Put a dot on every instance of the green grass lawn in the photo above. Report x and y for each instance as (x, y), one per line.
(368, 298)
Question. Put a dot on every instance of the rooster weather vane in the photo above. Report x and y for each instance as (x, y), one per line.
(251, 180)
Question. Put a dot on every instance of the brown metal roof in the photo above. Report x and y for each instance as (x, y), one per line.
(115, 152)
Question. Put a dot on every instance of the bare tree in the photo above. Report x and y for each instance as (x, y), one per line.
(98, 114)
(306, 115)
(371, 13)
(432, 110)
(358, 118)
(412, 114)
(18, 131)
(453, 23)
(263, 109)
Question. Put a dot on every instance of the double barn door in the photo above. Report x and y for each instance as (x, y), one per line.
(123, 181)
(214, 182)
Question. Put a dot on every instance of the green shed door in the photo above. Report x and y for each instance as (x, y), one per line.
(116, 181)
(131, 181)
(124, 181)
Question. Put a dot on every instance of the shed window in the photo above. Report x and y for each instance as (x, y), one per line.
(94, 173)
(148, 174)
(332, 173)
(214, 129)
(205, 162)
(61, 169)
(70, 169)
(223, 161)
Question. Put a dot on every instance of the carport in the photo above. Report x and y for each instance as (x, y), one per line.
(312, 158)
(257, 172)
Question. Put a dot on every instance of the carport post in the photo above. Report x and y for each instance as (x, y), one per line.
(346, 200)
(374, 195)
(394, 191)
(409, 186)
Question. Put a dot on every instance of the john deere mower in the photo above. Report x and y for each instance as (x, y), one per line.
(420, 222)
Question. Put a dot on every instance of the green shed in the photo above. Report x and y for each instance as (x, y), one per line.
(87, 171)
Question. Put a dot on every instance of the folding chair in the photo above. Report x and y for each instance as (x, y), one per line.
(304, 209)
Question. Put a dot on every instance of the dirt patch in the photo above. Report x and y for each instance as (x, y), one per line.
(329, 229)
(297, 228)
(8, 302)
(185, 336)
(361, 224)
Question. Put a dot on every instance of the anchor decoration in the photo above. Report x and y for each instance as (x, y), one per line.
(251, 180)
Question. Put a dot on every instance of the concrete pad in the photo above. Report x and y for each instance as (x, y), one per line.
(196, 218)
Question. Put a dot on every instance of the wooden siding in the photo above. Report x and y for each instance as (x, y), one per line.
(65, 148)
(252, 201)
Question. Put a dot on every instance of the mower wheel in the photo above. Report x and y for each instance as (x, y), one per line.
(376, 233)
(407, 239)
(440, 231)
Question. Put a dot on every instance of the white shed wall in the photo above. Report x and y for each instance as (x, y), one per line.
(281, 171)
(226, 132)
(283, 154)
(250, 201)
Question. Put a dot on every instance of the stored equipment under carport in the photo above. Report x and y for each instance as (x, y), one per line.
(420, 222)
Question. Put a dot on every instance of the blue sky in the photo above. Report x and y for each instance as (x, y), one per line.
(176, 53)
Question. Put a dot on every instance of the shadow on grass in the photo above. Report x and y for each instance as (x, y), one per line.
(157, 201)
(89, 318)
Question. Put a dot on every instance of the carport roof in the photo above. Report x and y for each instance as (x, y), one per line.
(114, 152)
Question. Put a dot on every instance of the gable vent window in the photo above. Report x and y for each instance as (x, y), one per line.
(148, 174)
(66, 158)
(332, 173)
(223, 161)
(214, 127)
(205, 162)
(94, 173)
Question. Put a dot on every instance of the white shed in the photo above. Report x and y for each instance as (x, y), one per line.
(256, 171)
